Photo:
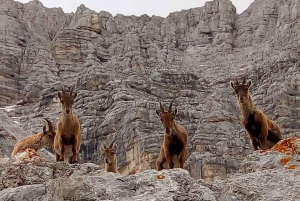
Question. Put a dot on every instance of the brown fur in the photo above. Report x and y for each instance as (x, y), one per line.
(68, 137)
(173, 151)
(110, 157)
(262, 131)
(36, 141)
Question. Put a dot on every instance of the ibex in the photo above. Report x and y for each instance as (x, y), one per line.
(262, 132)
(36, 141)
(68, 135)
(173, 150)
(110, 157)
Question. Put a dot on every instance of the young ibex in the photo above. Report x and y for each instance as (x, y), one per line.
(262, 132)
(68, 135)
(36, 141)
(110, 157)
(173, 150)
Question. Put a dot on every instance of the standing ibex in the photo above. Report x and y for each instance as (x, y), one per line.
(173, 150)
(263, 132)
(110, 157)
(68, 135)
(36, 141)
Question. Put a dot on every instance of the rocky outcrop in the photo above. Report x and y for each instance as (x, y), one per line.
(284, 154)
(122, 66)
(271, 175)
(56, 181)
(264, 175)
(274, 184)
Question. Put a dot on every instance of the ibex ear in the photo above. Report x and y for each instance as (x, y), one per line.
(44, 130)
(158, 113)
(103, 147)
(249, 83)
(232, 84)
(59, 95)
(175, 111)
(115, 148)
(74, 95)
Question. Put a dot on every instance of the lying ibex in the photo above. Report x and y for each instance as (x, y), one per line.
(36, 141)
(263, 132)
(110, 157)
(173, 150)
(68, 135)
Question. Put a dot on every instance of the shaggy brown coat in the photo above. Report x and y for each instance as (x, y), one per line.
(110, 157)
(262, 131)
(68, 137)
(36, 141)
(173, 151)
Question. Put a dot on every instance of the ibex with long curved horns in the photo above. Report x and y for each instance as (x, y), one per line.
(262, 131)
(68, 136)
(173, 149)
(36, 141)
(110, 157)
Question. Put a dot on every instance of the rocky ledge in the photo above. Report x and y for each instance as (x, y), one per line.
(61, 181)
(270, 175)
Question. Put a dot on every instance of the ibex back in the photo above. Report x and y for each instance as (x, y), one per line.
(36, 141)
(262, 131)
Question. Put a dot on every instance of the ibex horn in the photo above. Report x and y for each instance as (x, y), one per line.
(236, 81)
(111, 144)
(71, 91)
(50, 125)
(161, 107)
(244, 80)
(170, 107)
(62, 89)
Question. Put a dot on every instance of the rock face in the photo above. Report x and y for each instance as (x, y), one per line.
(10, 131)
(50, 181)
(263, 176)
(122, 66)
(272, 175)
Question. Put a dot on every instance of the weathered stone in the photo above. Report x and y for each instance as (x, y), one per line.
(29, 192)
(270, 175)
(122, 66)
(264, 175)
(60, 181)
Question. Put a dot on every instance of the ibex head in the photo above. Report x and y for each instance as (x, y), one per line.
(109, 153)
(167, 117)
(241, 90)
(47, 137)
(67, 99)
